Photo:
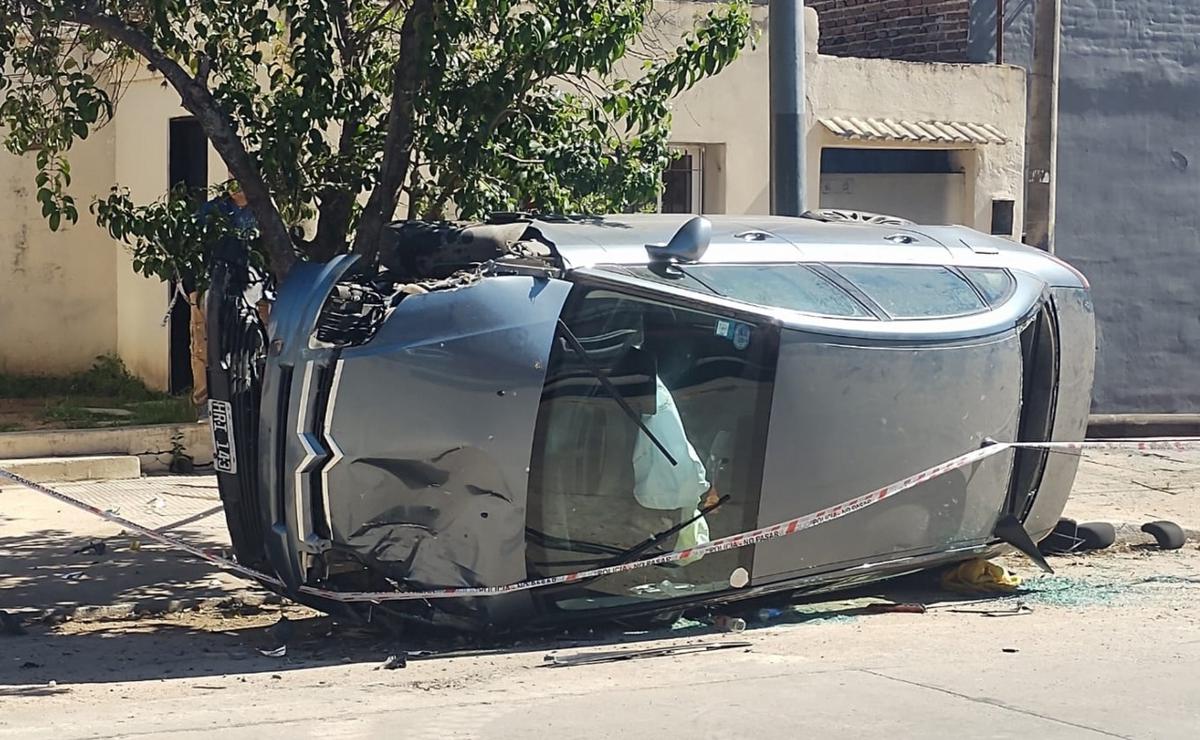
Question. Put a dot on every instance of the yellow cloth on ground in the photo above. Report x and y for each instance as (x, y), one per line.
(976, 576)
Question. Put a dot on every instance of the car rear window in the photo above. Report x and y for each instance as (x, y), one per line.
(914, 291)
(794, 287)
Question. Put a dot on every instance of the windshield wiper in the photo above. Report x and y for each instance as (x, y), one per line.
(596, 372)
(633, 553)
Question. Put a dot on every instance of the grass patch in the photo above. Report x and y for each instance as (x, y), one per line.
(76, 413)
(107, 395)
(107, 378)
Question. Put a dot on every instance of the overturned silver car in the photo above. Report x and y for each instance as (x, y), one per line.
(537, 396)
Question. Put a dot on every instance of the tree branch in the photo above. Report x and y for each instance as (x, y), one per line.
(198, 101)
(397, 151)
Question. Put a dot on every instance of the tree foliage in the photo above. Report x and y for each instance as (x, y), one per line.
(329, 113)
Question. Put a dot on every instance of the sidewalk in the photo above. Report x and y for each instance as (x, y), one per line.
(40, 570)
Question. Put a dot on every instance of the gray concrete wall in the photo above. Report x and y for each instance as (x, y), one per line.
(1129, 190)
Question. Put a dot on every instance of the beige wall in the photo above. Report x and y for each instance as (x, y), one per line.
(733, 109)
(57, 290)
(142, 157)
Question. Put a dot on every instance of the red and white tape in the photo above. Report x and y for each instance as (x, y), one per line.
(732, 542)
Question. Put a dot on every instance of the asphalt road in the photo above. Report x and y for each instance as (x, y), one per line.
(1108, 647)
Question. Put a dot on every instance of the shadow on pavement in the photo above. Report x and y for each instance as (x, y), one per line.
(43, 570)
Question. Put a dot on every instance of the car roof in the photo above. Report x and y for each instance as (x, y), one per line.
(622, 240)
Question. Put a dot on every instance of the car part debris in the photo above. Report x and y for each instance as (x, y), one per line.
(1063, 539)
(278, 652)
(1017, 610)
(725, 623)
(1096, 536)
(895, 609)
(394, 662)
(1168, 535)
(97, 546)
(283, 630)
(611, 656)
(10, 624)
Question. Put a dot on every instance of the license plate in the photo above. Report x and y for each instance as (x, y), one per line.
(220, 414)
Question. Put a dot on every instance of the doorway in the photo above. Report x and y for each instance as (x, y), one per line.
(188, 166)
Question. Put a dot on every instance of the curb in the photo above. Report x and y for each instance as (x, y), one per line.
(73, 469)
(1143, 425)
(152, 444)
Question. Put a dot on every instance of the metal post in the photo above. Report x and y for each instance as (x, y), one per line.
(1041, 144)
(999, 31)
(788, 151)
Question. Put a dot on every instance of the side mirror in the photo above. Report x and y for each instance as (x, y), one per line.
(688, 245)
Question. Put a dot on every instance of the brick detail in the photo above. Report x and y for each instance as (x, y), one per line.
(912, 30)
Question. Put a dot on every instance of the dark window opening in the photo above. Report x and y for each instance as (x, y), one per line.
(187, 166)
(838, 161)
(1002, 218)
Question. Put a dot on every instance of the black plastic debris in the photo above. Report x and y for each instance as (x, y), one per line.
(1064, 539)
(1168, 535)
(96, 546)
(609, 656)
(394, 662)
(1069, 537)
(10, 624)
(1097, 535)
(283, 630)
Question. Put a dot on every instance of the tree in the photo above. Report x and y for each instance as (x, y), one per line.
(329, 112)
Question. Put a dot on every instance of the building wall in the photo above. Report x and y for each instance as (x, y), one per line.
(912, 30)
(1128, 186)
(58, 291)
(732, 109)
(142, 159)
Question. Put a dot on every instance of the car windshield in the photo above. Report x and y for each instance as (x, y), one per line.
(600, 487)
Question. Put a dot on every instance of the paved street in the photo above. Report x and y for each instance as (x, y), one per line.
(1108, 649)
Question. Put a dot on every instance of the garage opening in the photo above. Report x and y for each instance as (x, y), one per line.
(925, 185)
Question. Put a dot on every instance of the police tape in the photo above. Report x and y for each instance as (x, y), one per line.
(781, 529)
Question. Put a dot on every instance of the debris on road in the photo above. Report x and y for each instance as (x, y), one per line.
(896, 609)
(609, 656)
(1168, 535)
(726, 623)
(980, 576)
(10, 624)
(1096, 535)
(1017, 610)
(278, 652)
(393, 662)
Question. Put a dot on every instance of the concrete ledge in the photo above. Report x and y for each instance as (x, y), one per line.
(151, 444)
(66, 469)
(1143, 425)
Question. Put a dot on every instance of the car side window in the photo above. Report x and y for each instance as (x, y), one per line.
(914, 291)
